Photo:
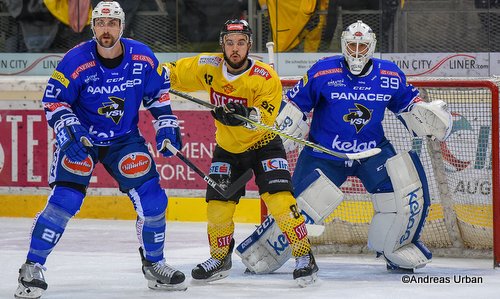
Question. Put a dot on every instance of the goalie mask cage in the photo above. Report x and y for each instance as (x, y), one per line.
(462, 172)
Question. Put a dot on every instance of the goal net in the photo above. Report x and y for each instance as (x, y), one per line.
(462, 174)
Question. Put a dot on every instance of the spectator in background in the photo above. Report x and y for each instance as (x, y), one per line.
(388, 7)
(197, 22)
(38, 26)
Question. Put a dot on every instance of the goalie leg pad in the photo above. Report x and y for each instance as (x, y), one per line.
(400, 216)
(317, 197)
(266, 249)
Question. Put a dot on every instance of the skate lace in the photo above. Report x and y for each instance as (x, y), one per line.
(163, 268)
(210, 264)
(302, 261)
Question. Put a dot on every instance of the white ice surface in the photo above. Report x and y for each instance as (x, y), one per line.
(99, 259)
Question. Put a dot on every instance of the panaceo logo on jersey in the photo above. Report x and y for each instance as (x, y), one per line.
(219, 99)
(275, 164)
(220, 168)
(81, 68)
(260, 71)
(378, 97)
(114, 88)
(134, 165)
(212, 60)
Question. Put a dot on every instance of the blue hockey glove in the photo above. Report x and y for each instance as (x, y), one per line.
(72, 138)
(167, 128)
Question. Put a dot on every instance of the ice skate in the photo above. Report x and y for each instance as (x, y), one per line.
(305, 270)
(214, 269)
(161, 276)
(31, 281)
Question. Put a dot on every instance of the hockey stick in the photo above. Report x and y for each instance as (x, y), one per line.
(225, 192)
(270, 52)
(345, 156)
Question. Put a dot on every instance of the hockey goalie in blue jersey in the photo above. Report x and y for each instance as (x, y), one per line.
(92, 102)
(348, 95)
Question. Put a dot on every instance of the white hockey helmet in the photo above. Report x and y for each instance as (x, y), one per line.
(108, 9)
(358, 45)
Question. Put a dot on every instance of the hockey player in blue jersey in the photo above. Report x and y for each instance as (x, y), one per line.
(348, 95)
(92, 102)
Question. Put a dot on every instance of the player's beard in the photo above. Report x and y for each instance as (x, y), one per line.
(236, 65)
(107, 40)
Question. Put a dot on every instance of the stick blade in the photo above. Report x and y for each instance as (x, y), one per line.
(238, 184)
(366, 154)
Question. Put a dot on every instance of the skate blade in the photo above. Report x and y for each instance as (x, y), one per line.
(218, 276)
(307, 280)
(28, 293)
(158, 286)
(400, 271)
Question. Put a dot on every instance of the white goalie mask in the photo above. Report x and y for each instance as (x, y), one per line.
(358, 45)
(108, 9)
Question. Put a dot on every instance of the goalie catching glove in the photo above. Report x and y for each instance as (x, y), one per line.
(225, 114)
(429, 119)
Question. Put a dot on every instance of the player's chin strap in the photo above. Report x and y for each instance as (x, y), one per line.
(429, 119)
(400, 216)
(267, 248)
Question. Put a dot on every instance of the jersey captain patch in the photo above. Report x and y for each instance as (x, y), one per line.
(358, 117)
(113, 109)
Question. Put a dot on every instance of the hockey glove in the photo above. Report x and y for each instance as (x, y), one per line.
(224, 113)
(167, 128)
(72, 138)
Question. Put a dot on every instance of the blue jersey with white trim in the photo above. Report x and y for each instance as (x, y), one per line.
(348, 110)
(107, 101)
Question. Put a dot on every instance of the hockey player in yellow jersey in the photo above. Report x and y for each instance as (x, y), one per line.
(238, 84)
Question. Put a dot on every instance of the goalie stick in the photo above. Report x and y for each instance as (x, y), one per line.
(345, 156)
(225, 192)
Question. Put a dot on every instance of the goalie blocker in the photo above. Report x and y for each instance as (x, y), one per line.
(293, 122)
(267, 249)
